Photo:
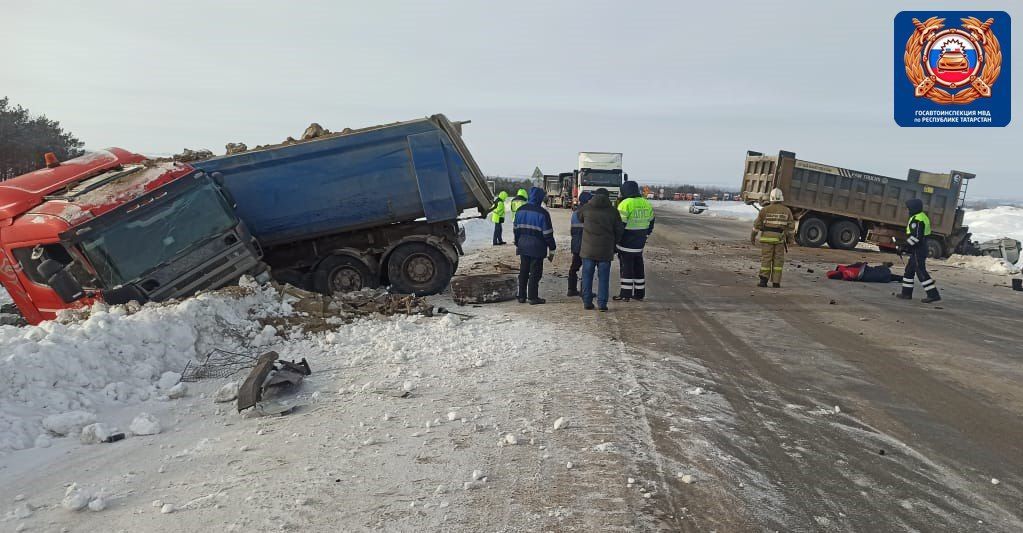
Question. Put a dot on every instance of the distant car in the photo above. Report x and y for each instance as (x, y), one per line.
(698, 207)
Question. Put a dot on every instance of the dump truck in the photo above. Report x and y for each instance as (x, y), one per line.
(552, 185)
(842, 207)
(362, 208)
(335, 213)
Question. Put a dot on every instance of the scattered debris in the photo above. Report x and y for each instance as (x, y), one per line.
(269, 373)
(187, 155)
(236, 148)
(685, 478)
(483, 288)
(96, 433)
(313, 131)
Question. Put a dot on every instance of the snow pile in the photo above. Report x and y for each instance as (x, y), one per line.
(55, 378)
(735, 210)
(988, 224)
(983, 263)
(4, 297)
(479, 233)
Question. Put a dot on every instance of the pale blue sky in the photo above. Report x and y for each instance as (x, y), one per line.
(682, 91)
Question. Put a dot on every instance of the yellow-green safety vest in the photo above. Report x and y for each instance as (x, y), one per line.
(920, 217)
(636, 213)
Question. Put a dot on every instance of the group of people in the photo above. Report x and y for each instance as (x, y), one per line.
(775, 225)
(599, 232)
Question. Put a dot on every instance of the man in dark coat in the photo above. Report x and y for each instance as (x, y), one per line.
(638, 216)
(918, 230)
(602, 230)
(534, 240)
(577, 241)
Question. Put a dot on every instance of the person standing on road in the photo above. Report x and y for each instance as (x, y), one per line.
(602, 229)
(638, 216)
(518, 201)
(497, 217)
(534, 240)
(917, 230)
(775, 224)
(577, 240)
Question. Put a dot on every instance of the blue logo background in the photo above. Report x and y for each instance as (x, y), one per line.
(906, 102)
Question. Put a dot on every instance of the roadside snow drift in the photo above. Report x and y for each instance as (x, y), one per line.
(56, 377)
(988, 224)
(736, 210)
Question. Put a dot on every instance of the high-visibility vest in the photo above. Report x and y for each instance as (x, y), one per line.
(922, 218)
(636, 213)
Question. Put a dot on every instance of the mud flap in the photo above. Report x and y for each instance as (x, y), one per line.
(251, 390)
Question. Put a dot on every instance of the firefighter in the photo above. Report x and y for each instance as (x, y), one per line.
(534, 240)
(518, 201)
(774, 223)
(638, 216)
(577, 242)
(917, 230)
(497, 217)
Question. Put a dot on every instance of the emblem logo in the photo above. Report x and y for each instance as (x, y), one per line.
(956, 65)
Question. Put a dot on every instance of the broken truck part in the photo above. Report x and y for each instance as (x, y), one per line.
(841, 207)
(113, 226)
(270, 373)
(483, 288)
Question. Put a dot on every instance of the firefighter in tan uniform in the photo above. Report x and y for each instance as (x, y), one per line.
(775, 224)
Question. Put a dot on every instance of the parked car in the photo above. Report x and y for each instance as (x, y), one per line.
(697, 207)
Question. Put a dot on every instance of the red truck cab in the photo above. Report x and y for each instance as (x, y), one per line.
(114, 226)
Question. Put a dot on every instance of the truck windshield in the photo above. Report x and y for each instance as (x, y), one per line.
(603, 179)
(152, 236)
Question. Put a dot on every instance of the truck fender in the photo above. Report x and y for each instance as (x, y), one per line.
(442, 244)
(369, 260)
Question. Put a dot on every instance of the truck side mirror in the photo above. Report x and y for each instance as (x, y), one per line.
(60, 280)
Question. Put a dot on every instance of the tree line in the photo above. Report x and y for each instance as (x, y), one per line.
(24, 139)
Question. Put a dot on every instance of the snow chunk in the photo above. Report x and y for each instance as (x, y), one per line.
(994, 481)
(145, 424)
(98, 504)
(605, 447)
(76, 498)
(227, 393)
(168, 508)
(696, 392)
(95, 433)
(68, 423)
(177, 391)
(511, 439)
(168, 380)
(477, 475)
(560, 423)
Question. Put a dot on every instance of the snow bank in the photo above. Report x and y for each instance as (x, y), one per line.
(735, 210)
(479, 233)
(983, 263)
(56, 378)
(995, 223)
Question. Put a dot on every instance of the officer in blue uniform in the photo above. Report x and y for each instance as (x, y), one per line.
(917, 230)
(638, 216)
(534, 240)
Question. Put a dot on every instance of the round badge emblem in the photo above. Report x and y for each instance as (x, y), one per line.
(953, 58)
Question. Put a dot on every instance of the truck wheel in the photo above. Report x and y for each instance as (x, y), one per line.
(935, 250)
(417, 267)
(844, 235)
(813, 232)
(343, 273)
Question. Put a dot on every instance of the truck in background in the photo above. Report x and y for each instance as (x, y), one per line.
(552, 186)
(113, 226)
(599, 170)
(842, 207)
(336, 213)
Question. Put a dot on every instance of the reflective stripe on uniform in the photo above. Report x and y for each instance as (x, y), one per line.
(770, 240)
(577, 225)
(548, 232)
(928, 284)
(912, 241)
(907, 285)
(630, 250)
(530, 226)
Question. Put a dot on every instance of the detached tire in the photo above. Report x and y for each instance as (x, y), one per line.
(419, 268)
(935, 250)
(813, 232)
(844, 235)
(343, 273)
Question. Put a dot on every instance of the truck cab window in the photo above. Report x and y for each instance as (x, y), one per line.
(30, 263)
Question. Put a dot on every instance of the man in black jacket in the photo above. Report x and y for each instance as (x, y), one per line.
(602, 230)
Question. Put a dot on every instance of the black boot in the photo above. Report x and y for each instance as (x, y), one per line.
(537, 301)
(572, 291)
(932, 296)
(776, 285)
(763, 282)
(906, 294)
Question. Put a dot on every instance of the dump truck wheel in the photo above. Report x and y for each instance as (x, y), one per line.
(935, 250)
(417, 267)
(343, 273)
(844, 235)
(813, 232)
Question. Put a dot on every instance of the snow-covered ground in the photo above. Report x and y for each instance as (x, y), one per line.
(995, 223)
(736, 210)
(479, 233)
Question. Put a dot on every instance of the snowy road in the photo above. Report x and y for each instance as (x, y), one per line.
(713, 406)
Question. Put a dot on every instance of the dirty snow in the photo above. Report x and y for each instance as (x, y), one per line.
(983, 263)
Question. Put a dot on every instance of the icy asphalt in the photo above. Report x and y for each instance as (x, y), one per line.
(713, 406)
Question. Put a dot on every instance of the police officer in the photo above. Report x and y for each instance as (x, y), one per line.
(917, 230)
(774, 223)
(577, 243)
(497, 217)
(518, 201)
(638, 216)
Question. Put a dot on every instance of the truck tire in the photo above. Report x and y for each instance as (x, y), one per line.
(844, 235)
(813, 232)
(935, 249)
(343, 273)
(419, 268)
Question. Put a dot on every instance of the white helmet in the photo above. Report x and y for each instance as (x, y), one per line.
(777, 196)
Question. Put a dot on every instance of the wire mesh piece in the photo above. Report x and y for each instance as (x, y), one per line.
(217, 364)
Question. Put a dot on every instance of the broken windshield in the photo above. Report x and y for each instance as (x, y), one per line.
(156, 234)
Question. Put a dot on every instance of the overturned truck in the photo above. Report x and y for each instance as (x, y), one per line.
(841, 207)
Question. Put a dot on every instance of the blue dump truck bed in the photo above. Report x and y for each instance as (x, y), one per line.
(350, 181)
